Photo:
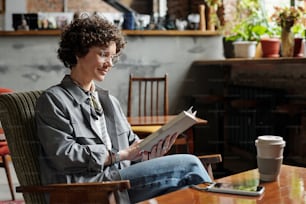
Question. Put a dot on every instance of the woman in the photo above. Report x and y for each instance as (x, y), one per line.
(83, 132)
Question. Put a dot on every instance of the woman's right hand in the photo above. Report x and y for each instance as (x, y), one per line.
(131, 153)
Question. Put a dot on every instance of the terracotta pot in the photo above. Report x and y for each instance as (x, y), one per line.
(270, 47)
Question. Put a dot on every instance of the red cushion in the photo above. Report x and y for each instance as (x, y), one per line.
(5, 90)
(3, 143)
(4, 150)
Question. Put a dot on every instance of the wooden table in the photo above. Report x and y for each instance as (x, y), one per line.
(161, 120)
(289, 188)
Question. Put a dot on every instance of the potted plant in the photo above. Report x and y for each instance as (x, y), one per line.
(270, 42)
(289, 18)
(252, 24)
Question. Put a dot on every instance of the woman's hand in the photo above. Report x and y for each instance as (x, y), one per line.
(131, 153)
(161, 148)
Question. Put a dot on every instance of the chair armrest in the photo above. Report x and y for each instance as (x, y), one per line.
(208, 160)
(211, 158)
(97, 186)
(79, 193)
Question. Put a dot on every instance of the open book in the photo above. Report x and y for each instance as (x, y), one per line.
(179, 124)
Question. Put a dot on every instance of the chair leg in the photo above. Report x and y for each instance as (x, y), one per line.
(190, 140)
(8, 175)
(209, 170)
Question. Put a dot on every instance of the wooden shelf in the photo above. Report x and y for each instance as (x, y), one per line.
(170, 32)
(231, 61)
(31, 33)
(126, 32)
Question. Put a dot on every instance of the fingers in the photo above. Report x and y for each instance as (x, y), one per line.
(166, 145)
(133, 152)
(145, 156)
(173, 138)
(153, 152)
(161, 148)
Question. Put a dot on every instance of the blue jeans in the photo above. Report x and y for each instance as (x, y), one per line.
(162, 175)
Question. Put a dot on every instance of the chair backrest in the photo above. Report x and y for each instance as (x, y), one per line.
(149, 95)
(4, 91)
(17, 116)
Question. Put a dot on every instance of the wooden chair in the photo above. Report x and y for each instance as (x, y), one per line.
(17, 117)
(150, 97)
(5, 153)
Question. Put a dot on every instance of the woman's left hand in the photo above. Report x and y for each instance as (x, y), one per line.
(161, 148)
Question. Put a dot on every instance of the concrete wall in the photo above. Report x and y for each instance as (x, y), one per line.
(30, 63)
(13, 6)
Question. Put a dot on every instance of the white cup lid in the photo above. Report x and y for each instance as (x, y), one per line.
(270, 139)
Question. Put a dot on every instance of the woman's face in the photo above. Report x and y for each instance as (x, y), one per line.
(97, 62)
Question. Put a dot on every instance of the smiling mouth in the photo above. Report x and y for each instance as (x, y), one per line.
(103, 71)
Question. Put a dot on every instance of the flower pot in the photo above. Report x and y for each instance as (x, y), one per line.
(228, 48)
(270, 47)
(245, 49)
(298, 49)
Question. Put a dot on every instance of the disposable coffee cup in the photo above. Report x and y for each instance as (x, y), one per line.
(270, 146)
(270, 150)
(269, 168)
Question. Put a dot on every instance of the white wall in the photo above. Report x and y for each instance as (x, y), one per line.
(30, 62)
(13, 6)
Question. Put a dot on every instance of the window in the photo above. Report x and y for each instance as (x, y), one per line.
(269, 4)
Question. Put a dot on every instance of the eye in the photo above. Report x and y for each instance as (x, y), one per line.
(108, 55)
(103, 54)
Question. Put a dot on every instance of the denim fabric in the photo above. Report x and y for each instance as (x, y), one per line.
(162, 175)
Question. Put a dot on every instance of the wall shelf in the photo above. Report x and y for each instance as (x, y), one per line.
(126, 32)
(232, 61)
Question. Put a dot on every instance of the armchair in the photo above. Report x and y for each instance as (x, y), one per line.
(17, 117)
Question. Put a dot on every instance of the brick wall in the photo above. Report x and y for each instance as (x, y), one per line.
(72, 6)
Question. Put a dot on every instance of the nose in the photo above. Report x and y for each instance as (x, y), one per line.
(109, 61)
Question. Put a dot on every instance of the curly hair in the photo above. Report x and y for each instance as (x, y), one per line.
(86, 32)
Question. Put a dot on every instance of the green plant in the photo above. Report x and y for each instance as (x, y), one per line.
(253, 22)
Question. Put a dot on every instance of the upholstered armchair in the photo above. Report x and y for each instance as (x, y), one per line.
(17, 118)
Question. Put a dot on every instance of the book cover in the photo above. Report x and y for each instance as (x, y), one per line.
(179, 124)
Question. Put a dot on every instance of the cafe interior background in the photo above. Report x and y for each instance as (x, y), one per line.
(28, 62)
